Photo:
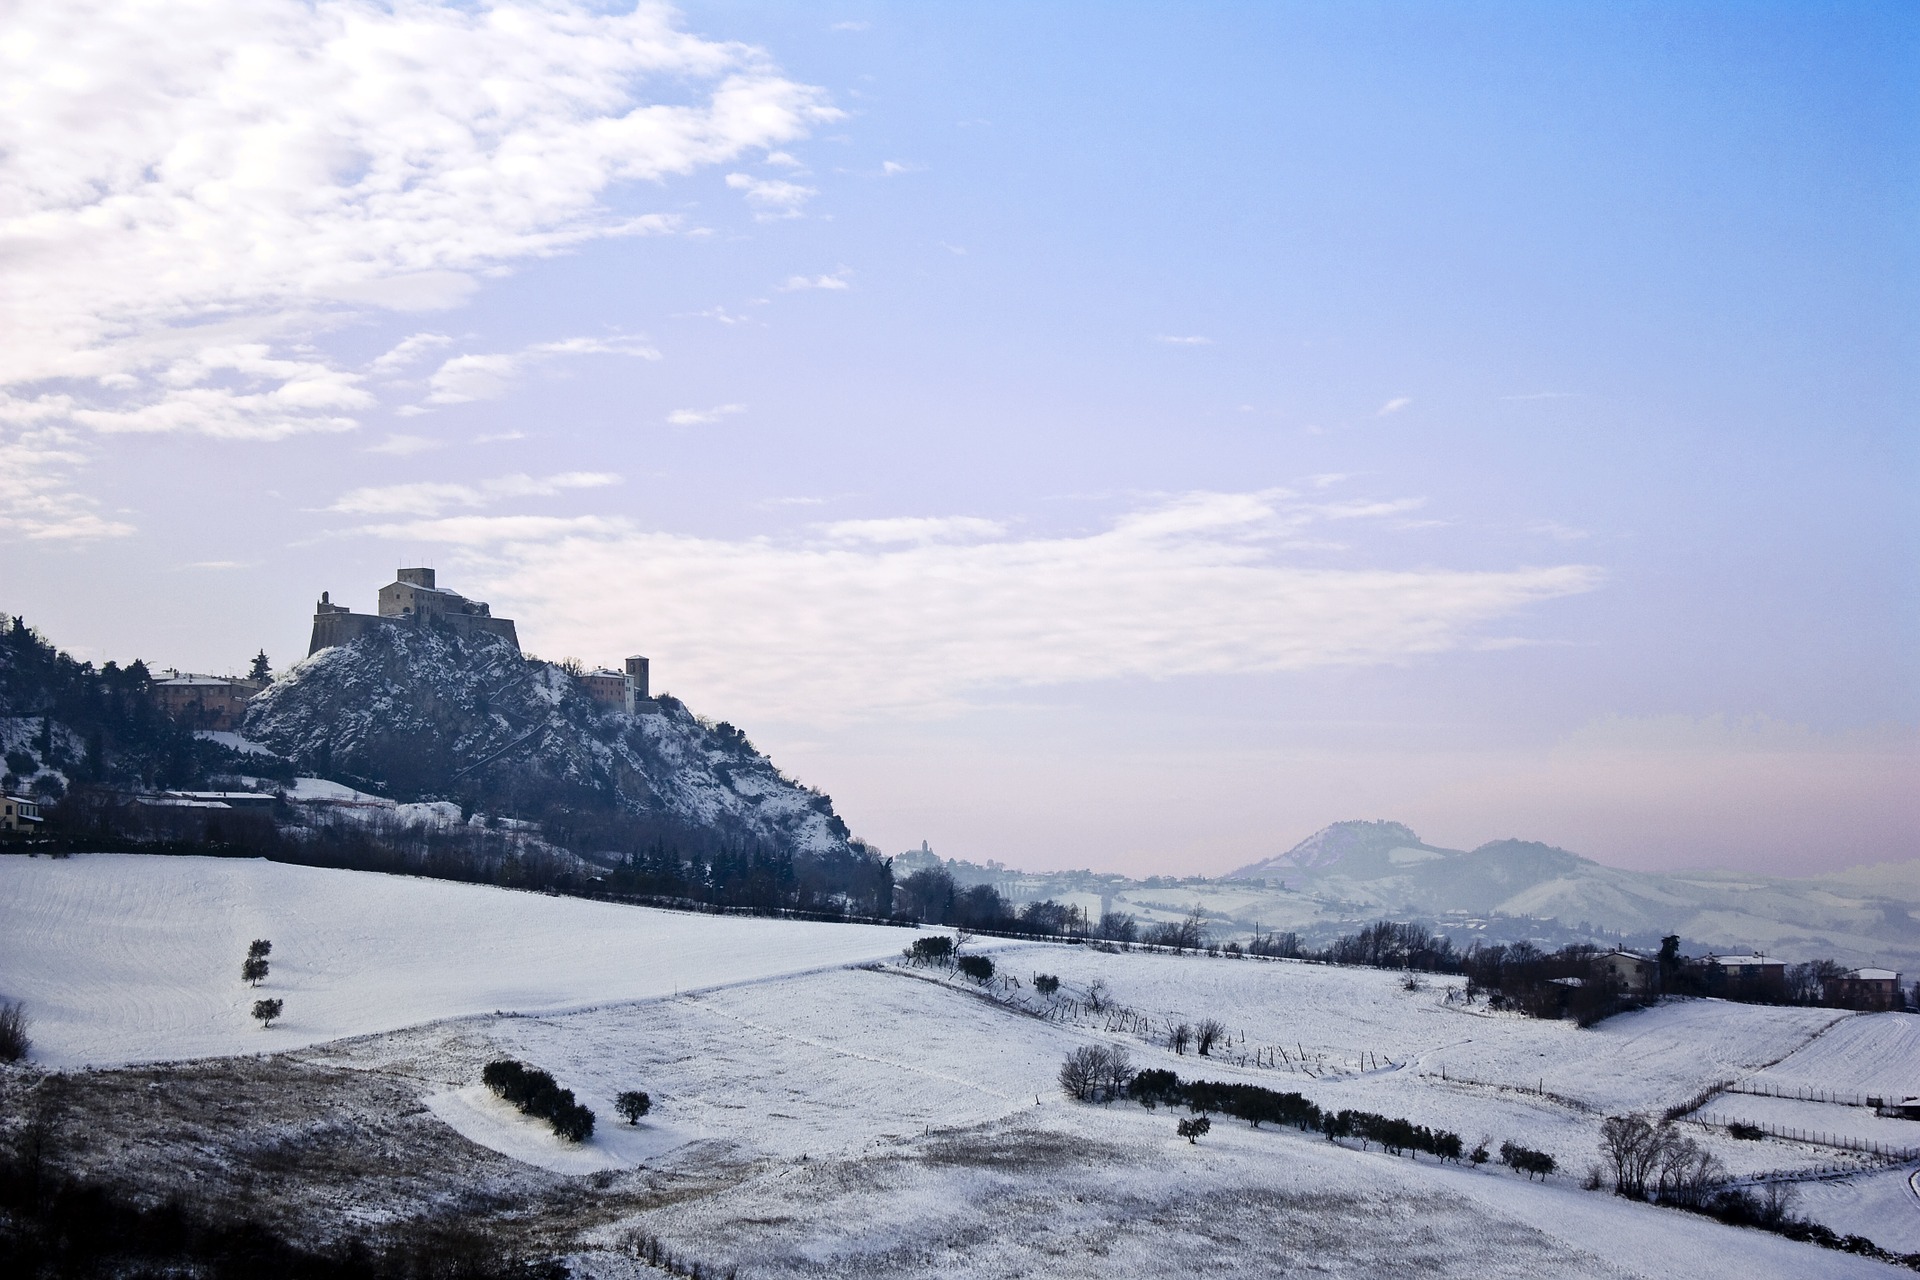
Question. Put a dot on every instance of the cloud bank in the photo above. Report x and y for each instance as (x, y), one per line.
(922, 616)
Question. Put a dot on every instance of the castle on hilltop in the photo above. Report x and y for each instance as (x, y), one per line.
(413, 598)
(410, 598)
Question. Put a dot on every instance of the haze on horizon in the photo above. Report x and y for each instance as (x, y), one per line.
(1072, 435)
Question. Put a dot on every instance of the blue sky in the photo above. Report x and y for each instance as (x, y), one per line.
(1118, 436)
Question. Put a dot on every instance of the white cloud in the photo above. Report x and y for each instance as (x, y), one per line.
(894, 168)
(466, 378)
(430, 498)
(913, 529)
(1189, 340)
(36, 497)
(1394, 405)
(182, 180)
(838, 280)
(920, 616)
(401, 445)
(850, 26)
(408, 351)
(700, 417)
(772, 197)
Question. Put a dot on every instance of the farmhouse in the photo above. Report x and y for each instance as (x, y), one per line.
(204, 702)
(1635, 972)
(17, 813)
(1870, 990)
(1752, 977)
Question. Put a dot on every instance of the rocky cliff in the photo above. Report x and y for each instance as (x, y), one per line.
(430, 713)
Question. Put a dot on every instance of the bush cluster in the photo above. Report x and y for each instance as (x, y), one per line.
(979, 968)
(537, 1094)
(1526, 1160)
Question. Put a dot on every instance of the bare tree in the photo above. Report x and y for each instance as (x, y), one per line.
(1179, 1036)
(1081, 1073)
(1115, 1073)
(14, 1042)
(1097, 995)
(1208, 1033)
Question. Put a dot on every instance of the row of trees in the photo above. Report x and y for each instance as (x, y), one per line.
(537, 1093)
(1103, 1073)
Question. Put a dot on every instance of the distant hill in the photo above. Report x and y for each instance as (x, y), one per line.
(1356, 867)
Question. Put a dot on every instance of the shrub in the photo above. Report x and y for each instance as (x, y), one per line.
(1045, 983)
(1746, 1132)
(633, 1104)
(267, 1011)
(936, 946)
(14, 1043)
(1192, 1129)
(979, 968)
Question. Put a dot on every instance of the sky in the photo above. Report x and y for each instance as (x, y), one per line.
(1121, 436)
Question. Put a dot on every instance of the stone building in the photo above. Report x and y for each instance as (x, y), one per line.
(204, 702)
(626, 690)
(410, 599)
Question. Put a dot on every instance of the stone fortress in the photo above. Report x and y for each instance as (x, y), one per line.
(410, 598)
(413, 598)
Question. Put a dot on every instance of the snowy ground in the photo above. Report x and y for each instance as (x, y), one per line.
(821, 1109)
(130, 958)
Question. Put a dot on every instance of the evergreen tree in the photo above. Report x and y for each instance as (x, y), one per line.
(261, 669)
(633, 1104)
(267, 1011)
(254, 970)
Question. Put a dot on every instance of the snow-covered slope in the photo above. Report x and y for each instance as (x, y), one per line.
(133, 958)
(1352, 868)
(427, 713)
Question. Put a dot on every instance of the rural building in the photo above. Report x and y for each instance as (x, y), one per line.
(17, 813)
(1870, 990)
(1636, 973)
(410, 599)
(1752, 977)
(204, 702)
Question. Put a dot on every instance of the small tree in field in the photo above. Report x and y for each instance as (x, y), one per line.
(1209, 1033)
(253, 970)
(1045, 983)
(1192, 1129)
(267, 1011)
(979, 968)
(633, 1104)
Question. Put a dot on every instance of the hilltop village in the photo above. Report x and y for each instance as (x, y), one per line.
(413, 599)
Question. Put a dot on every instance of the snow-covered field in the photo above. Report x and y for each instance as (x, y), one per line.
(822, 1109)
(124, 958)
(1878, 1055)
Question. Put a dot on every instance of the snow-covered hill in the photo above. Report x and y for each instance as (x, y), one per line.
(788, 1071)
(426, 713)
(1353, 868)
(131, 958)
